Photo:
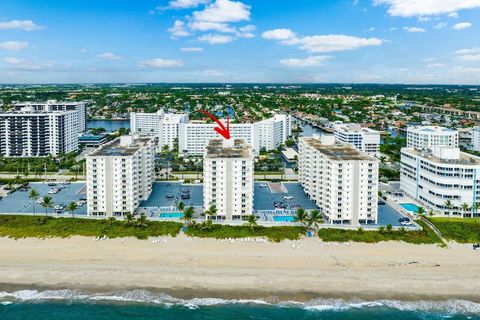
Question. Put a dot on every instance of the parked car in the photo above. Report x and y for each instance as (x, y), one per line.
(59, 207)
(185, 196)
(263, 185)
(57, 211)
(51, 184)
(404, 221)
(294, 207)
(287, 197)
(169, 196)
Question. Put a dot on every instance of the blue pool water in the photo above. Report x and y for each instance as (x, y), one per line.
(410, 207)
(283, 218)
(173, 215)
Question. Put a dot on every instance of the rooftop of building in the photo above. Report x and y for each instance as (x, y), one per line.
(231, 148)
(337, 151)
(431, 129)
(123, 146)
(353, 127)
(463, 157)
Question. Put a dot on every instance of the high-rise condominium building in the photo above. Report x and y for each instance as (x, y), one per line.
(228, 178)
(364, 139)
(476, 139)
(340, 179)
(120, 175)
(426, 137)
(441, 178)
(160, 124)
(54, 105)
(267, 134)
(29, 132)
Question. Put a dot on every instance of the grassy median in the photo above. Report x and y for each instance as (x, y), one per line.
(457, 229)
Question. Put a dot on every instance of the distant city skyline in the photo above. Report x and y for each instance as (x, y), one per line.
(246, 41)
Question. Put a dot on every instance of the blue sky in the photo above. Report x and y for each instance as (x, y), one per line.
(376, 41)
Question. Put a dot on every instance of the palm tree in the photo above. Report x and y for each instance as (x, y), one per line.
(181, 206)
(314, 219)
(142, 222)
(465, 208)
(33, 195)
(476, 207)
(448, 205)
(252, 221)
(129, 219)
(46, 202)
(301, 216)
(430, 212)
(421, 211)
(211, 211)
(71, 207)
(188, 215)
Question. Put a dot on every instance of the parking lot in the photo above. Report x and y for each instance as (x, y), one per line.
(18, 201)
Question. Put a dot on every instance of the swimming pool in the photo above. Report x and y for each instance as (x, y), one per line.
(173, 215)
(410, 207)
(283, 218)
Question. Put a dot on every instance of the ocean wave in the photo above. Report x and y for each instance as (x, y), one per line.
(321, 304)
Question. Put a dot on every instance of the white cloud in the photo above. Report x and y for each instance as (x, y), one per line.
(216, 38)
(13, 45)
(461, 25)
(224, 11)
(435, 65)
(472, 54)
(422, 8)
(429, 59)
(207, 25)
(439, 26)
(306, 62)
(191, 49)
(26, 25)
(320, 43)
(109, 56)
(161, 63)
(414, 29)
(178, 29)
(248, 28)
(453, 15)
(185, 4)
(279, 34)
(27, 65)
(213, 73)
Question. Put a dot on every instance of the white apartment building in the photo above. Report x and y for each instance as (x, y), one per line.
(476, 139)
(267, 134)
(54, 105)
(228, 178)
(441, 174)
(341, 180)
(364, 139)
(33, 132)
(160, 124)
(120, 175)
(426, 137)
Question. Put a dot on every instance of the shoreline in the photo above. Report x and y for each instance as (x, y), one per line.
(187, 268)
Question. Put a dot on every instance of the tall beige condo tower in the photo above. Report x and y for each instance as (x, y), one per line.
(340, 179)
(228, 178)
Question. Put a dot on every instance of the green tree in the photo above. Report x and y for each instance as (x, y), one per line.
(142, 222)
(129, 219)
(252, 221)
(448, 205)
(33, 195)
(71, 207)
(421, 211)
(465, 208)
(315, 219)
(301, 217)
(212, 211)
(188, 215)
(181, 206)
(46, 202)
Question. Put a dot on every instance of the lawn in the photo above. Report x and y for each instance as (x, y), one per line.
(42, 227)
(459, 230)
(425, 236)
(275, 234)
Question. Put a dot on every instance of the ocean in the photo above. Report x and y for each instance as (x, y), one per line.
(139, 304)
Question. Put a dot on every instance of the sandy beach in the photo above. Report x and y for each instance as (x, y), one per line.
(187, 267)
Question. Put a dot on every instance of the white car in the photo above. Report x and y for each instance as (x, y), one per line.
(288, 197)
(263, 185)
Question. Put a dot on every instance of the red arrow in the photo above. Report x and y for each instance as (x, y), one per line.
(225, 132)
